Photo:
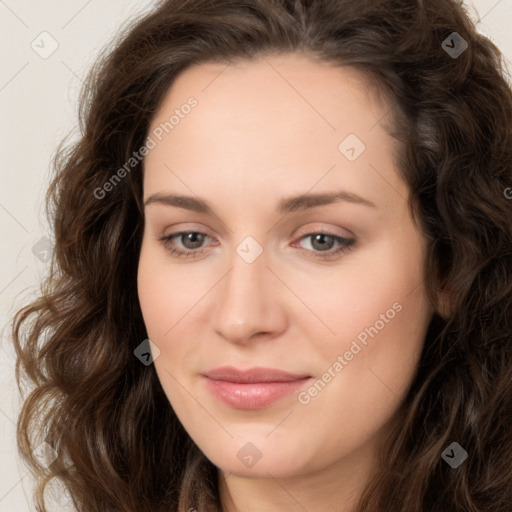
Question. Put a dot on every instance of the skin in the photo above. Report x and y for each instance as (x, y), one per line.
(264, 130)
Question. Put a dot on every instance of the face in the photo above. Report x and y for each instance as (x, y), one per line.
(294, 255)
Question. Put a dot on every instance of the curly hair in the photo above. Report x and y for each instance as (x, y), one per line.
(120, 445)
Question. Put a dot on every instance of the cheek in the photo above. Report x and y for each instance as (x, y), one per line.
(164, 307)
(375, 295)
(164, 292)
(151, 299)
(158, 292)
(380, 319)
(172, 305)
(367, 369)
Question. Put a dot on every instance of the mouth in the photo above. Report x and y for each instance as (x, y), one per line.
(254, 388)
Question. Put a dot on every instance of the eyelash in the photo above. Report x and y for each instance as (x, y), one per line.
(346, 244)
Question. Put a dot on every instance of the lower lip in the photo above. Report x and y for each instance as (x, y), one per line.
(255, 395)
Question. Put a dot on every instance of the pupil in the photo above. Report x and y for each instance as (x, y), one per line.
(194, 238)
(321, 237)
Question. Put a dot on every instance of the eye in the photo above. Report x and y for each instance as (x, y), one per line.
(191, 239)
(321, 243)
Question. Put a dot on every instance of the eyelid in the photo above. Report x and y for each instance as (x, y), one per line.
(321, 229)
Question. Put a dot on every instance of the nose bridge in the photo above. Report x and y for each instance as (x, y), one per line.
(248, 263)
(247, 302)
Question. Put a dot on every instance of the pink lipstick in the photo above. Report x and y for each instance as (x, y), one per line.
(254, 388)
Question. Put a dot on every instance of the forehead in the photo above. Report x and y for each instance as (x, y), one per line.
(284, 115)
(289, 79)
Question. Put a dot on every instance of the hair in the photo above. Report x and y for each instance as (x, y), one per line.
(120, 445)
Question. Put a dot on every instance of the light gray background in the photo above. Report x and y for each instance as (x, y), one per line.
(38, 102)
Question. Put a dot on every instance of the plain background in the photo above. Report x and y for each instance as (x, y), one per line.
(38, 102)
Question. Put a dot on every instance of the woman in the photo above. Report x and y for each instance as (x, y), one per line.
(199, 347)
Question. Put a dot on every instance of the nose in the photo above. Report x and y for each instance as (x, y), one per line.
(249, 302)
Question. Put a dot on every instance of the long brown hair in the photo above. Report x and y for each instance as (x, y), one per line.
(120, 446)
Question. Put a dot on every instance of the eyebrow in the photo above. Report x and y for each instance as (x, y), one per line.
(286, 205)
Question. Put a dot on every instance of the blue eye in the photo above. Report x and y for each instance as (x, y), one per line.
(322, 240)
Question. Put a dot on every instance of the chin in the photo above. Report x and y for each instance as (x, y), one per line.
(248, 461)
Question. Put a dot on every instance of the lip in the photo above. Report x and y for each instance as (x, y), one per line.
(254, 388)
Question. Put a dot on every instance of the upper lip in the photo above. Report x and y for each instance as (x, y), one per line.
(257, 374)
